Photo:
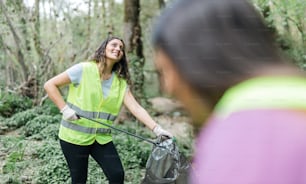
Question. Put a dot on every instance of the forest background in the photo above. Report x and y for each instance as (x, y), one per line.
(41, 38)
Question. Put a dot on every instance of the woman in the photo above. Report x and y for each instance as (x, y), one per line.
(97, 89)
(220, 60)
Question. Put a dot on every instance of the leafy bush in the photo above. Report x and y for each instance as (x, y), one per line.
(49, 132)
(13, 157)
(133, 152)
(49, 108)
(48, 159)
(20, 119)
(11, 103)
(15, 163)
(9, 179)
(54, 168)
(54, 171)
(286, 21)
(37, 124)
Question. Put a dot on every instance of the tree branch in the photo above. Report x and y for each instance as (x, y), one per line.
(20, 55)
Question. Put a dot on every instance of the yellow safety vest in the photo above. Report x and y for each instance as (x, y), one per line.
(280, 92)
(87, 100)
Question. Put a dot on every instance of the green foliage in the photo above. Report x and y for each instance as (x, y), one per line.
(54, 168)
(186, 147)
(50, 132)
(133, 152)
(13, 157)
(40, 160)
(9, 142)
(15, 163)
(48, 149)
(11, 103)
(46, 163)
(36, 125)
(133, 176)
(10, 180)
(287, 20)
(22, 118)
(48, 108)
(137, 77)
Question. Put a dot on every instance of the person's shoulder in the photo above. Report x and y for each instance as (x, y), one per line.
(87, 63)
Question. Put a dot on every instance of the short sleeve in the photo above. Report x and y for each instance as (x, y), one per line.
(75, 73)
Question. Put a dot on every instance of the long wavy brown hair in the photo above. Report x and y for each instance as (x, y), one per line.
(120, 68)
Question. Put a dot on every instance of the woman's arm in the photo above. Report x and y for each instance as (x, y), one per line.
(52, 88)
(138, 111)
(142, 115)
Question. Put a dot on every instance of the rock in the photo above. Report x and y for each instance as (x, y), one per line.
(179, 127)
(3, 129)
(164, 105)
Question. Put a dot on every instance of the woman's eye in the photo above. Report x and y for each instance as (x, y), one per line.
(115, 45)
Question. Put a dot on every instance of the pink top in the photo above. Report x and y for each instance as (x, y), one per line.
(261, 139)
(253, 147)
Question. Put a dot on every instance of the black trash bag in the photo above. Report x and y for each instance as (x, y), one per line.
(166, 165)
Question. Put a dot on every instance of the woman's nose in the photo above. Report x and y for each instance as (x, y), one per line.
(117, 47)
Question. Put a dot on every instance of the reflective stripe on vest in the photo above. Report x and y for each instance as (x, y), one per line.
(279, 92)
(83, 129)
(92, 115)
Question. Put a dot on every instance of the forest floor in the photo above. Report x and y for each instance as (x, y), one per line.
(167, 112)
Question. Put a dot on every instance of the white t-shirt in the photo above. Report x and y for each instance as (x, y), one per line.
(75, 75)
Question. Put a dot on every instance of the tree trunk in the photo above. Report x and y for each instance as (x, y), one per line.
(161, 4)
(87, 46)
(20, 56)
(37, 40)
(111, 15)
(132, 37)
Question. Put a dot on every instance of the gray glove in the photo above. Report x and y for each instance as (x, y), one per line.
(158, 130)
(68, 113)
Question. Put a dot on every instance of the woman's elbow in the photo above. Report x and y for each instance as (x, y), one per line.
(47, 85)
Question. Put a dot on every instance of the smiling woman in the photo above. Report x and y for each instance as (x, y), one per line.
(97, 90)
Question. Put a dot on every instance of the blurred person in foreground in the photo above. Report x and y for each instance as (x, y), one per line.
(249, 104)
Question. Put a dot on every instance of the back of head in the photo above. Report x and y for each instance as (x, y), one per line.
(215, 43)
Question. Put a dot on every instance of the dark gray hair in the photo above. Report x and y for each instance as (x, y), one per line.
(215, 43)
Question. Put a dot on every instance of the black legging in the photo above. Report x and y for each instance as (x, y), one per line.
(105, 155)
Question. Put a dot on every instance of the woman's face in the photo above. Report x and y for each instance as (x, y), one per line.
(114, 50)
(174, 84)
(168, 77)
